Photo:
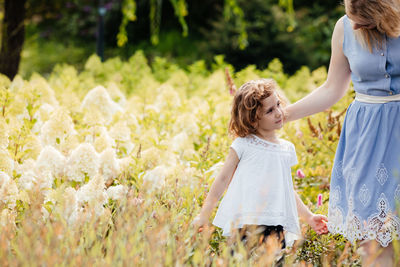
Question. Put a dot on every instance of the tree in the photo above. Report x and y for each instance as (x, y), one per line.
(12, 36)
(15, 12)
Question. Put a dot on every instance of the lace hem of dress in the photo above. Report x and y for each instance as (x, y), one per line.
(383, 226)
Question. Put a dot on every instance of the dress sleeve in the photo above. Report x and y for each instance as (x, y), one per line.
(238, 146)
(293, 156)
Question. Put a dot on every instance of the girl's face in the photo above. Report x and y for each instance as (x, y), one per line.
(271, 116)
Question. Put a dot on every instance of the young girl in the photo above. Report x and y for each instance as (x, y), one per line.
(260, 193)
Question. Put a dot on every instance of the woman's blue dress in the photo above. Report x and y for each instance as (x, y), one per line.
(365, 183)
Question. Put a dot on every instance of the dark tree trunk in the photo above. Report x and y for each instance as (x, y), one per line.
(13, 36)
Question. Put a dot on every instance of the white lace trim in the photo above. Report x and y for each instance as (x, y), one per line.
(257, 141)
(382, 226)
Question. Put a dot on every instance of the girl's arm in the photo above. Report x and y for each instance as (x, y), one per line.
(335, 86)
(218, 188)
(316, 221)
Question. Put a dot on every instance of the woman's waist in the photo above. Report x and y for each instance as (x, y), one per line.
(376, 99)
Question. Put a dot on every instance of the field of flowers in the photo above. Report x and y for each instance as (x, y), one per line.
(111, 164)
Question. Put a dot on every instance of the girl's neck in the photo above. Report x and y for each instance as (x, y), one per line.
(269, 136)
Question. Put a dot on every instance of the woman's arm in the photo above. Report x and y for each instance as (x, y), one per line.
(218, 188)
(335, 85)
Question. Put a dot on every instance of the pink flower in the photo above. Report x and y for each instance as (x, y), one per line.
(300, 173)
(319, 202)
(299, 134)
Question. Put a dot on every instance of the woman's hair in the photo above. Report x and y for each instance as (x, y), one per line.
(384, 14)
(247, 104)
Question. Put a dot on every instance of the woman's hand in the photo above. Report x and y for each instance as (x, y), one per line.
(318, 223)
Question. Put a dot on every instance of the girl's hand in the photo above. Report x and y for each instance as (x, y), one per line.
(199, 223)
(318, 223)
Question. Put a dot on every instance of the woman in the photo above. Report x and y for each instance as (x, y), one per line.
(365, 182)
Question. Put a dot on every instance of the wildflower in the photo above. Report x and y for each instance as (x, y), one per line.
(299, 134)
(300, 173)
(82, 162)
(319, 202)
(50, 159)
(117, 192)
(137, 201)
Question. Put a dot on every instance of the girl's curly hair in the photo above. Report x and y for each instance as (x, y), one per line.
(247, 105)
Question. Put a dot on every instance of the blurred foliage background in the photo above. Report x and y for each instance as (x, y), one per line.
(251, 32)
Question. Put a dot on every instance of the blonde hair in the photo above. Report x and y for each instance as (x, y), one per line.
(247, 105)
(384, 14)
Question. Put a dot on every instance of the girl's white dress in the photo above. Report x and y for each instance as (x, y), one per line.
(261, 191)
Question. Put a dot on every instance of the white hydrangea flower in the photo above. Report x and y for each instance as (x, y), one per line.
(6, 162)
(199, 106)
(32, 147)
(103, 142)
(126, 164)
(120, 132)
(109, 165)
(167, 96)
(40, 86)
(181, 142)
(117, 192)
(7, 218)
(70, 208)
(222, 110)
(57, 128)
(45, 180)
(82, 161)
(187, 122)
(50, 159)
(27, 180)
(4, 134)
(116, 94)
(25, 166)
(100, 138)
(8, 190)
(99, 99)
(93, 194)
(156, 177)
(42, 115)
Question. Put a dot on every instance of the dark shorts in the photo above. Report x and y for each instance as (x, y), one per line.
(261, 233)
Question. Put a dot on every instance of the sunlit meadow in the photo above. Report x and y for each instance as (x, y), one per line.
(109, 166)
